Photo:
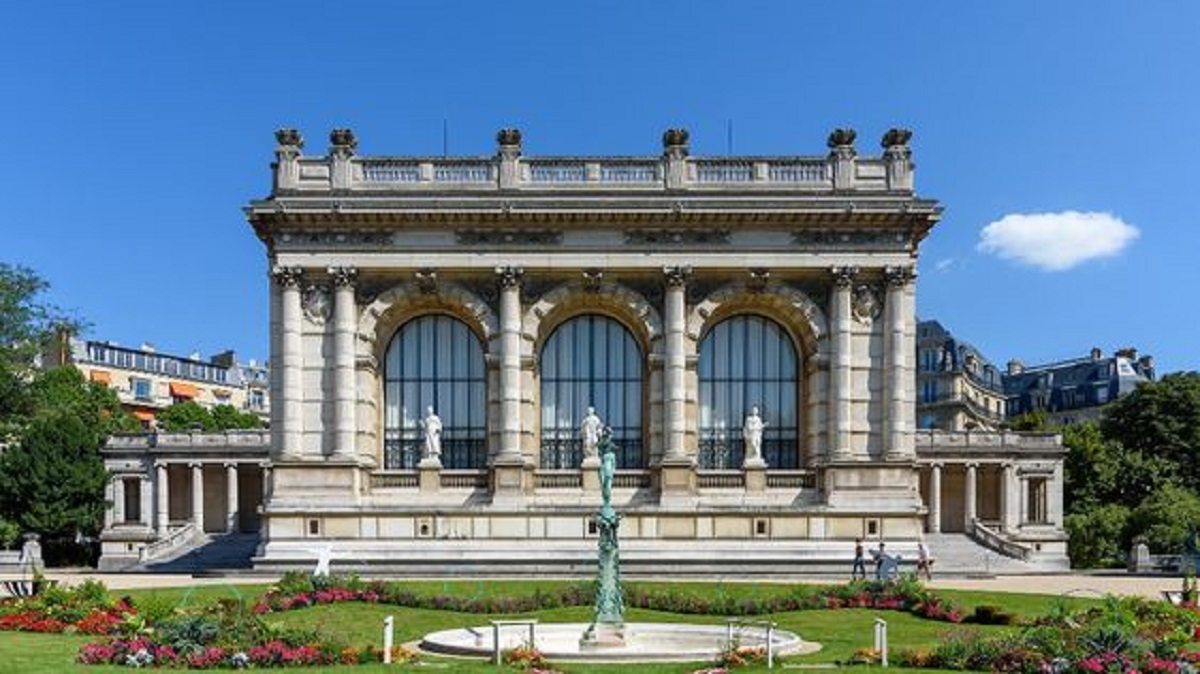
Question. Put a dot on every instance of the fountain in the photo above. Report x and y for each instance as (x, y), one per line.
(609, 638)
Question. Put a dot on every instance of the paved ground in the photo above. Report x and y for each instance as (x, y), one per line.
(1069, 584)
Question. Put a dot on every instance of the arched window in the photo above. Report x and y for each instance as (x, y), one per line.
(748, 361)
(434, 361)
(591, 361)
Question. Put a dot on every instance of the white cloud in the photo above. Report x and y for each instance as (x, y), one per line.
(946, 264)
(1056, 241)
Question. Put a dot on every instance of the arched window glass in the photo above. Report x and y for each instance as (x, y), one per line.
(435, 361)
(591, 361)
(748, 361)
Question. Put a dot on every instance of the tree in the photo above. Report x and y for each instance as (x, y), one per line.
(226, 417)
(53, 481)
(1164, 519)
(26, 322)
(1161, 419)
(188, 415)
(1097, 535)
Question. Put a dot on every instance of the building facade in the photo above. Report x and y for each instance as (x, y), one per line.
(147, 381)
(958, 389)
(1078, 389)
(676, 295)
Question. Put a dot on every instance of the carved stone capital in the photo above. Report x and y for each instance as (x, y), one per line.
(343, 276)
(287, 277)
(509, 277)
(427, 281)
(676, 277)
(898, 277)
(843, 276)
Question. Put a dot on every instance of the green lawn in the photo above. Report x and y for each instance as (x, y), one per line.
(840, 632)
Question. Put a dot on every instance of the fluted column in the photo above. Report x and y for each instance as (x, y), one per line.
(231, 498)
(162, 507)
(344, 331)
(969, 495)
(290, 363)
(1010, 512)
(898, 376)
(674, 387)
(840, 423)
(935, 498)
(198, 495)
(510, 364)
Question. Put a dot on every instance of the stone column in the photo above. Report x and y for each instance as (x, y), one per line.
(231, 498)
(118, 485)
(935, 498)
(677, 477)
(1008, 493)
(345, 315)
(970, 488)
(162, 510)
(898, 378)
(509, 464)
(198, 495)
(145, 502)
(1054, 497)
(840, 423)
(1023, 503)
(290, 364)
(110, 509)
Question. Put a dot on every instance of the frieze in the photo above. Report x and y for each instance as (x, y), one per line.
(508, 237)
(337, 238)
(678, 237)
(854, 239)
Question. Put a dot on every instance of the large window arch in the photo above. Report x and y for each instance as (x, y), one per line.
(748, 361)
(434, 360)
(590, 360)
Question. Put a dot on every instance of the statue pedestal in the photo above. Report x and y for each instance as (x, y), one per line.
(677, 480)
(429, 470)
(603, 635)
(756, 475)
(591, 475)
(508, 481)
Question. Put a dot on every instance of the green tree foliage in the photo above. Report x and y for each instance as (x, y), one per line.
(1097, 535)
(53, 481)
(1161, 419)
(1164, 519)
(26, 322)
(1030, 421)
(190, 415)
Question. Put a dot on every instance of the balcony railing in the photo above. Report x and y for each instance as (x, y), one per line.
(405, 452)
(395, 480)
(719, 451)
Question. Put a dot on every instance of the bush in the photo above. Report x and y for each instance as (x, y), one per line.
(1097, 536)
(990, 615)
(10, 533)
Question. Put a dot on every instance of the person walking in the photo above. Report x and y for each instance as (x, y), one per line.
(859, 570)
(880, 556)
(924, 563)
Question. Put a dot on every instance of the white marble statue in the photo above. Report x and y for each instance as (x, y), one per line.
(752, 433)
(433, 434)
(590, 429)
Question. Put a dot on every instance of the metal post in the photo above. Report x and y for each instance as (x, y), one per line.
(881, 640)
(496, 642)
(388, 633)
(770, 645)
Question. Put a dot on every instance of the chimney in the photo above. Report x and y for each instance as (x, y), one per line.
(1015, 367)
(1127, 352)
(1146, 365)
(1097, 354)
(148, 347)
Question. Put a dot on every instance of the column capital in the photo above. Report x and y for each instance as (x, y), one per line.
(843, 277)
(343, 276)
(287, 277)
(195, 464)
(229, 464)
(509, 277)
(676, 277)
(899, 276)
(160, 464)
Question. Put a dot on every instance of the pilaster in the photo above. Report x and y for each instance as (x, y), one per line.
(677, 470)
(197, 495)
(163, 500)
(935, 499)
(345, 316)
(840, 421)
(508, 466)
(898, 434)
(118, 484)
(231, 498)
(970, 491)
(290, 362)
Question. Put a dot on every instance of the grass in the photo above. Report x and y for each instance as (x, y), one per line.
(840, 632)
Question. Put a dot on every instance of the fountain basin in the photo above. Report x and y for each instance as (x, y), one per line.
(644, 642)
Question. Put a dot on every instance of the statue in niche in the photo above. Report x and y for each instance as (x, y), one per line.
(752, 434)
(590, 429)
(433, 434)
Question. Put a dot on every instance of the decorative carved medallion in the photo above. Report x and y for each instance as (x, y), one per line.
(865, 304)
(426, 280)
(511, 237)
(759, 277)
(592, 278)
(682, 237)
(316, 304)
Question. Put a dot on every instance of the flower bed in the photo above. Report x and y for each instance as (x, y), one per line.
(84, 609)
(144, 652)
(298, 591)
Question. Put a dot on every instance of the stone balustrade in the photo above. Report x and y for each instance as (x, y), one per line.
(1007, 441)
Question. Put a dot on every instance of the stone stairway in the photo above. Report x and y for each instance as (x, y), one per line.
(213, 553)
(959, 554)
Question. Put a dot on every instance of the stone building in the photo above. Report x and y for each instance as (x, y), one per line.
(1078, 389)
(958, 389)
(507, 294)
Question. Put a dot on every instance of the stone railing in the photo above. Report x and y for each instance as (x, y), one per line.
(994, 540)
(344, 170)
(983, 441)
(791, 479)
(249, 439)
(463, 479)
(398, 479)
(558, 479)
(632, 479)
(720, 479)
(172, 541)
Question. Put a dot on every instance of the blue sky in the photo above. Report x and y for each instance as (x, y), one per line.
(135, 132)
